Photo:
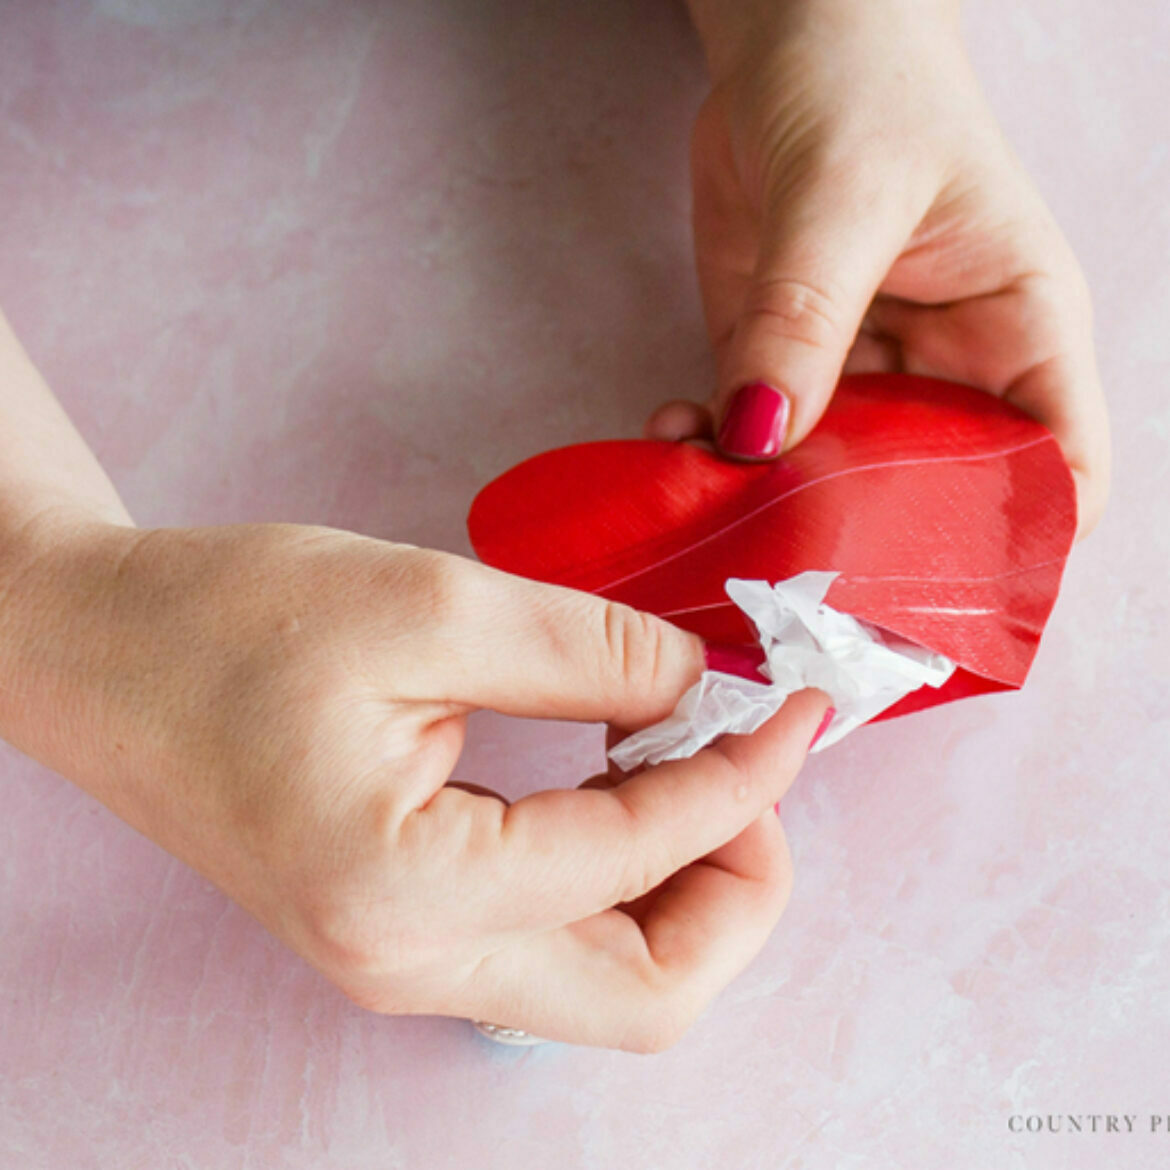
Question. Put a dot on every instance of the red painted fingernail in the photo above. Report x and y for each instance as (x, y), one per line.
(735, 659)
(755, 422)
(777, 806)
(823, 726)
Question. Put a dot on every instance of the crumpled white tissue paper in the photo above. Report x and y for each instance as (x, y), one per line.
(808, 644)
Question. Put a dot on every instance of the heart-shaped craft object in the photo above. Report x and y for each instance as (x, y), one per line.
(948, 514)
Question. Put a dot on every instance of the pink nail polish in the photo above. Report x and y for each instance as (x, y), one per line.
(777, 808)
(755, 423)
(735, 659)
(823, 726)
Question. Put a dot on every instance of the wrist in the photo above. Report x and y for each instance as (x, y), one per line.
(734, 31)
(54, 568)
(43, 528)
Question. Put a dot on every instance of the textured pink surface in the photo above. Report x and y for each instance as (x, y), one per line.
(345, 262)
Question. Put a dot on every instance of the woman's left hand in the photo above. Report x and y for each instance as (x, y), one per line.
(856, 208)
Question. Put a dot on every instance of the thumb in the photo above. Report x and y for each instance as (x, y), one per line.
(534, 650)
(821, 259)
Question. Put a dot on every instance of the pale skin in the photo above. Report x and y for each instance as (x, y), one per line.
(857, 208)
(281, 706)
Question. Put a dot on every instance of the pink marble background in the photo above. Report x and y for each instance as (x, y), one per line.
(343, 262)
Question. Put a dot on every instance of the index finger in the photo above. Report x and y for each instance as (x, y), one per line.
(576, 852)
(616, 980)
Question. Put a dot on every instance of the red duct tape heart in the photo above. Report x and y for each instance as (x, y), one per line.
(948, 513)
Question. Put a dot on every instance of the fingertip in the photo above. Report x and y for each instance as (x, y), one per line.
(779, 746)
(1091, 497)
(677, 420)
(806, 715)
(755, 423)
(822, 727)
(691, 650)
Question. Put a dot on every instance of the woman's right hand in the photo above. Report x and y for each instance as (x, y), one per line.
(282, 706)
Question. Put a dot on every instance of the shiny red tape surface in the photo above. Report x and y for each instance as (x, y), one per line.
(948, 513)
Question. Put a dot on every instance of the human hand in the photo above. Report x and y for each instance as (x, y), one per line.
(281, 707)
(856, 207)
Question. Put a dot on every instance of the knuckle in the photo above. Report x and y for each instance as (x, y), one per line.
(382, 959)
(359, 945)
(443, 586)
(1079, 293)
(646, 864)
(796, 310)
(634, 644)
(639, 876)
(1061, 298)
(343, 944)
(1053, 282)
